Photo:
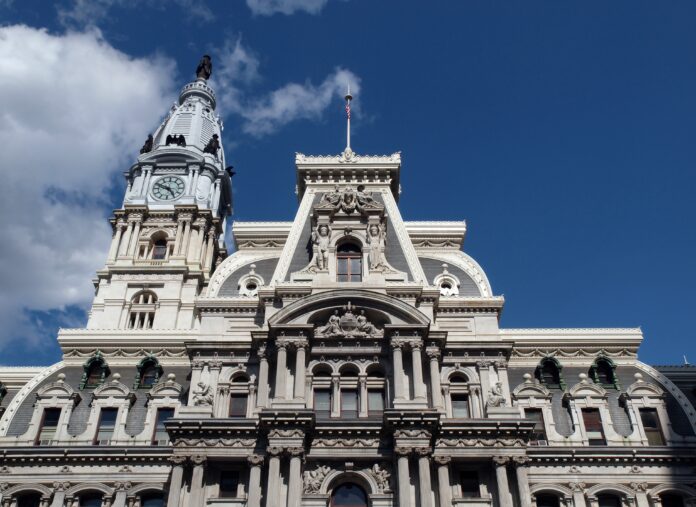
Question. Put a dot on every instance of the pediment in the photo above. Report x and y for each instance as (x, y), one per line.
(113, 389)
(585, 389)
(642, 389)
(531, 389)
(57, 389)
(166, 389)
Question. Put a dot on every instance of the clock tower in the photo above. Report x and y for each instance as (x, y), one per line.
(169, 234)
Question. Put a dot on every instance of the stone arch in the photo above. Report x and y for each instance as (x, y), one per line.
(617, 489)
(19, 489)
(538, 489)
(376, 367)
(321, 366)
(336, 478)
(302, 310)
(230, 265)
(349, 367)
(87, 487)
(470, 373)
(148, 487)
(673, 488)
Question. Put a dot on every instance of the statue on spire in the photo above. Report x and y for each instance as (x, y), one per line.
(205, 68)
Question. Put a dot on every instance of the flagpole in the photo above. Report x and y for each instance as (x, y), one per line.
(349, 97)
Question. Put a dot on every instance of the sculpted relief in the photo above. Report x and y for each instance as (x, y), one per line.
(348, 200)
(349, 325)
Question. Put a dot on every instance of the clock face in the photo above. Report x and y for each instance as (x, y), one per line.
(168, 188)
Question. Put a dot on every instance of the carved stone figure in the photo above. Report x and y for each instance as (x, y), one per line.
(381, 477)
(205, 68)
(375, 240)
(320, 238)
(365, 198)
(348, 326)
(496, 398)
(313, 479)
(213, 145)
(202, 396)
(147, 147)
(176, 139)
(348, 200)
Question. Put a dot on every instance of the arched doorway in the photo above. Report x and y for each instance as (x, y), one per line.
(348, 495)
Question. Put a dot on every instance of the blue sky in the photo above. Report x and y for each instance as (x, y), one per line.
(563, 132)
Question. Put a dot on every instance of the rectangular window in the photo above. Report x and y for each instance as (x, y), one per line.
(49, 425)
(593, 426)
(229, 484)
(238, 405)
(107, 425)
(469, 482)
(651, 425)
(460, 405)
(322, 403)
(161, 436)
(375, 402)
(349, 404)
(538, 436)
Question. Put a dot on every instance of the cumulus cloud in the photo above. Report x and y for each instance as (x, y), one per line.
(92, 12)
(75, 111)
(266, 114)
(270, 7)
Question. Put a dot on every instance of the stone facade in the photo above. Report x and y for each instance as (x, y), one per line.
(345, 358)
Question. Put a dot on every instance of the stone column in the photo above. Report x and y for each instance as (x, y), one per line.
(448, 399)
(210, 249)
(404, 486)
(197, 498)
(254, 497)
(281, 368)
(424, 481)
(295, 479)
(116, 241)
(504, 497)
(523, 480)
(273, 485)
(593, 501)
(177, 238)
(578, 489)
(121, 494)
(133, 246)
(443, 480)
(435, 387)
(418, 384)
(262, 401)
(398, 365)
(485, 380)
(363, 397)
(123, 250)
(476, 410)
(187, 235)
(642, 498)
(300, 348)
(176, 480)
(58, 499)
(336, 396)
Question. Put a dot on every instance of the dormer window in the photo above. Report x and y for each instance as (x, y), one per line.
(549, 373)
(149, 373)
(95, 371)
(348, 262)
(603, 372)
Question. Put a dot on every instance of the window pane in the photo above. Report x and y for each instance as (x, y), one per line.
(348, 495)
(349, 404)
(535, 415)
(30, 500)
(469, 482)
(91, 501)
(238, 405)
(460, 405)
(149, 375)
(322, 401)
(161, 436)
(609, 501)
(670, 500)
(49, 425)
(342, 266)
(649, 418)
(153, 500)
(229, 483)
(547, 501)
(107, 424)
(593, 426)
(375, 401)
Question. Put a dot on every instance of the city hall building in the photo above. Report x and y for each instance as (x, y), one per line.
(344, 358)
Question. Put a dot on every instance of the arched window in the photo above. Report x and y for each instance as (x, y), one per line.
(239, 396)
(159, 249)
(459, 396)
(149, 373)
(348, 262)
(91, 500)
(547, 500)
(549, 373)
(29, 500)
(603, 373)
(608, 501)
(152, 500)
(671, 500)
(348, 495)
(95, 370)
(142, 311)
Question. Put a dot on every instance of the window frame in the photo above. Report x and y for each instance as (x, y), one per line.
(349, 257)
(586, 411)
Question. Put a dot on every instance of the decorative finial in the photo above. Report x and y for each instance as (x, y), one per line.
(349, 97)
(205, 68)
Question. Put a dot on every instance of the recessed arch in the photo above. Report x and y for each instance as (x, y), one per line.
(22, 489)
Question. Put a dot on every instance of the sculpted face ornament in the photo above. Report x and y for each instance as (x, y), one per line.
(348, 326)
(348, 200)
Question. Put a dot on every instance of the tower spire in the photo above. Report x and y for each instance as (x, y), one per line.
(349, 97)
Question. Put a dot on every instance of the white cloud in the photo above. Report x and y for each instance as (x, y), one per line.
(264, 115)
(270, 7)
(92, 12)
(75, 111)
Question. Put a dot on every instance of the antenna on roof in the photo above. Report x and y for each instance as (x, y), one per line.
(686, 361)
(349, 97)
